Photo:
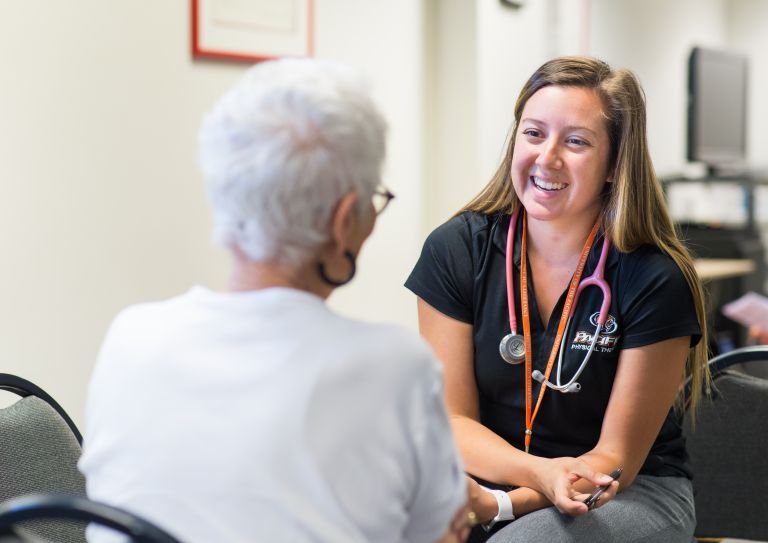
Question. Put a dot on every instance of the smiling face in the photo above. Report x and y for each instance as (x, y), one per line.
(560, 160)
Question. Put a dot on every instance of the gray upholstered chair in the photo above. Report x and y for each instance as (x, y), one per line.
(729, 451)
(37, 507)
(39, 450)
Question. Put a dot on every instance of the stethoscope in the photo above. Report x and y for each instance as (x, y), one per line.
(512, 346)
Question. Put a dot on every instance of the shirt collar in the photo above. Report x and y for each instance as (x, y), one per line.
(501, 222)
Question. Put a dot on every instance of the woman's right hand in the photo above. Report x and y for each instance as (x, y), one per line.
(483, 504)
(557, 477)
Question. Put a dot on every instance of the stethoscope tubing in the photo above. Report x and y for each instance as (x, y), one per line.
(510, 278)
(597, 279)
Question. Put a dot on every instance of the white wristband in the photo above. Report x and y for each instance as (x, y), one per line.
(505, 508)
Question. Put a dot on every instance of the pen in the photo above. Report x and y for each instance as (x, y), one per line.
(615, 474)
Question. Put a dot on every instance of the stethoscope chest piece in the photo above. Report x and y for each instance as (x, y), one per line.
(512, 348)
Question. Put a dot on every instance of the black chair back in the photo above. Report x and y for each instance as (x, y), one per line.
(46, 507)
(39, 451)
(24, 388)
(728, 449)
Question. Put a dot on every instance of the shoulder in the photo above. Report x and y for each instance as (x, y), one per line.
(133, 319)
(120, 365)
(449, 262)
(140, 328)
(655, 299)
(648, 263)
(462, 239)
(464, 226)
(647, 252)
(146, 317)
(649, 275)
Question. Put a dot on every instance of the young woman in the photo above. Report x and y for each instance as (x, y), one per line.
(533, 363)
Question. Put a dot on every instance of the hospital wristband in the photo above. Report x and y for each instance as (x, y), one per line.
(505, 508)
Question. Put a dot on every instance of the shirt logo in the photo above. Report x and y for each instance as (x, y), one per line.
(606, 341)
(610, 325)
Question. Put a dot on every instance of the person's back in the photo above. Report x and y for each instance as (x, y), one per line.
(257, 414)
(262, 416)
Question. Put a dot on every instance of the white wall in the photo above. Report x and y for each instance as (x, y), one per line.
(450, 110)
(747, 32)
(102, 203)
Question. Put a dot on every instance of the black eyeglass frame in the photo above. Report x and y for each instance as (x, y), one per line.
(387, 194)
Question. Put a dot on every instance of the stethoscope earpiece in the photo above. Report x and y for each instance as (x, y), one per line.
(536, 375)
(573, 387)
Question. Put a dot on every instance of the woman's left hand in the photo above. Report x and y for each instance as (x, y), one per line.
(557, 484)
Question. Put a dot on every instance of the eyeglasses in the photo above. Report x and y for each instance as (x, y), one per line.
(381, 199)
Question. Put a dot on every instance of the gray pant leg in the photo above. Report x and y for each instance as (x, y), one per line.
(652, 510)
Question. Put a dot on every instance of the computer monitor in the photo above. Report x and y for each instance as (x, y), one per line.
(717, 109)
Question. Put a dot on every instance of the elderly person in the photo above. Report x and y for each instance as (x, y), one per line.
(258, 414)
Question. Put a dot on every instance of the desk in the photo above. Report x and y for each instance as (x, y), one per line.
(722, 268)
(725, 281)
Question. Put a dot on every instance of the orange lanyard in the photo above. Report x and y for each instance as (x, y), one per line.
(530, 417)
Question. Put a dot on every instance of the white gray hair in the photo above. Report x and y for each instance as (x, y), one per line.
(281, 148)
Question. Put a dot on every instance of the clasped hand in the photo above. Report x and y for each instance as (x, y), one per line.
(556, 479)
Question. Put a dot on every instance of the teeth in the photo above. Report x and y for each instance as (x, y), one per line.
(546, 185)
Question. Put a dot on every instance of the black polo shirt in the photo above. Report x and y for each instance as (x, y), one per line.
(461, 273)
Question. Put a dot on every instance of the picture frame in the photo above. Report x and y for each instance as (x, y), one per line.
(251, 30)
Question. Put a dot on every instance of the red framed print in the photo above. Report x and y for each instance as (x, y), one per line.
(252, 30)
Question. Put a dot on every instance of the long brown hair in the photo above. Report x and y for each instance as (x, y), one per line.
(634, 209)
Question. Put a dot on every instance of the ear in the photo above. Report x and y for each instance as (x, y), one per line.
(343, 222)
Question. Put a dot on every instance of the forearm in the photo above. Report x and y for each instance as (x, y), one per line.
(526, 500)
(490, 457)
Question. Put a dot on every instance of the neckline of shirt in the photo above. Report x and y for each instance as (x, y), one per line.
(204, 293)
